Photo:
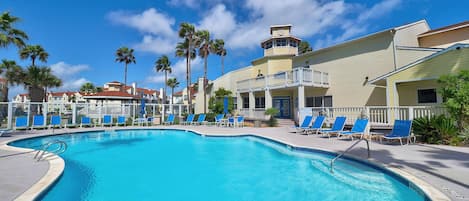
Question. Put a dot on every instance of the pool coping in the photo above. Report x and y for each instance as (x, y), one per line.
(57, 164)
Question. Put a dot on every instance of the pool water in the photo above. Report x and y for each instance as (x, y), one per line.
(179, 165)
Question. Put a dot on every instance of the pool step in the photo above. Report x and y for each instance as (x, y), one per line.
(355, 177)
(285, 123)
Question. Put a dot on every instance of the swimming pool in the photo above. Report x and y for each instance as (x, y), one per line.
(179, 165)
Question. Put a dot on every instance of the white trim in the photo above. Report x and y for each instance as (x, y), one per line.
(444, 30)
(419, 48)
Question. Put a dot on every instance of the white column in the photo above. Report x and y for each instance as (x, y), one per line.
(162, 112)
(44, 112)
(268, 99)
(239, 101)
(301, 97)
(74, 113)
(252, 104)
(10, 115)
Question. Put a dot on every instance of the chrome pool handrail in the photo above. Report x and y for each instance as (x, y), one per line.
(61, 149)
(348, 149)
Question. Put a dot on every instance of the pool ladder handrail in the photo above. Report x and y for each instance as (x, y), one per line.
(61, 149)
(348, 149)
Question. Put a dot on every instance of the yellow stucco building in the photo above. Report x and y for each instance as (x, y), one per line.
(394, 67)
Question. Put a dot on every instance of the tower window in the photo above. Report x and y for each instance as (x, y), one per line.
(281, 42)
(268, 45)
(293, 43)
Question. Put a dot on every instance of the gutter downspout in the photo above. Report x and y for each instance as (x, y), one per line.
(393, 33)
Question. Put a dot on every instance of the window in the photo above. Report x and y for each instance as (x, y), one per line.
(268, 45)
(293, 43)
(319, 101)
(260, 102)
(235, 103)
(281, 42)
(245, 102)
(426, 95)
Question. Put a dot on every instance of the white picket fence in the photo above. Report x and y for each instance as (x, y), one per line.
(379, 116)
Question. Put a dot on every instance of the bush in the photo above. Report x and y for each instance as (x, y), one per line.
(210, 117)
(272, 122)
(436, 130)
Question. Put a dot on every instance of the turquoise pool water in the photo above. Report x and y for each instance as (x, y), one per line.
(179, 165)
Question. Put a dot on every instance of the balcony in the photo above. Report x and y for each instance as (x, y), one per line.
(296, 77)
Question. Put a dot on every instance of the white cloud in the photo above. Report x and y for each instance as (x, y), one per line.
(155, 44)
(149, 21)
(178, 71)
(218, 21)
(68, 74)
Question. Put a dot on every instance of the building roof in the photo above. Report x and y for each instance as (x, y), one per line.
(111, 95)
(446, 28)
(68, 93)
(453, 47)
(144, 91)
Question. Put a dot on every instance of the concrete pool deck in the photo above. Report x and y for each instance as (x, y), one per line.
(443, 167)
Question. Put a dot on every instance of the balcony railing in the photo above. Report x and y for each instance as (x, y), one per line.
(297, 77)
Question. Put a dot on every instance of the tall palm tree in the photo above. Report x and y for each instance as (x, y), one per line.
(205, 45)
(8, 34)
(126, 56)
(187, 33)
(88, 88)
(12, 75)
(34, 52)
(172, 83)
(164, 65)
(218, 48)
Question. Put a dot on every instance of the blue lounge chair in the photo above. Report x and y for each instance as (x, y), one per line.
(200, 120)
(38, 122)
(120, 121)
(358, 128)
(107, 120)
(21, 123)
(218, 119)
(149, 121)
(55, 121)
(401, 130)
(189, 119)
(85, 121)
(240, 122)
(231, 122)
(306, 122)
(318, 122)
(170, 120)
(338, 126)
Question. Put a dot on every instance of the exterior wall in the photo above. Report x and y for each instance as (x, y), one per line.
(279, 65)
(405, 57)
(286, 50)
(445, 39)
(280, 31)
(447, 63)
(349, 65)
(407, 35)
(408, 92)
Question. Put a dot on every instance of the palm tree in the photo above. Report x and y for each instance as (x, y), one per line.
(304, 47)
(35, 79)
(187, 33)
(88, 88)
(126, 56)
(34, 52)
(164, 65)
(8, 34)
(218, 48)
(172, 83)
(49, 80)
(12, 75)
(205, 46)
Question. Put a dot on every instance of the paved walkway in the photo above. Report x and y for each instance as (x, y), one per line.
(444, 167)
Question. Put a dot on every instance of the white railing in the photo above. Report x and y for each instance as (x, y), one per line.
(253, 114)
(71, 112)
(297, 76)
(379, 116)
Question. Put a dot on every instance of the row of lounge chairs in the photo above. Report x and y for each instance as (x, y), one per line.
(39, 122)
(237, 121)
(400, 131)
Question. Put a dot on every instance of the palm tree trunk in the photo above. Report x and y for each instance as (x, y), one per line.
(172, 95)
(222, 65)
(205, 85)
(5, 93)
(188, 76)
(33, 59)
(165, 85)
(125, 77)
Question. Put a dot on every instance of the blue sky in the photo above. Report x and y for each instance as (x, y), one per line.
(82, 36)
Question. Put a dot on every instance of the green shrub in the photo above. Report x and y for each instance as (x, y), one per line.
(272, 122)
(436, 129)
(210, 117)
